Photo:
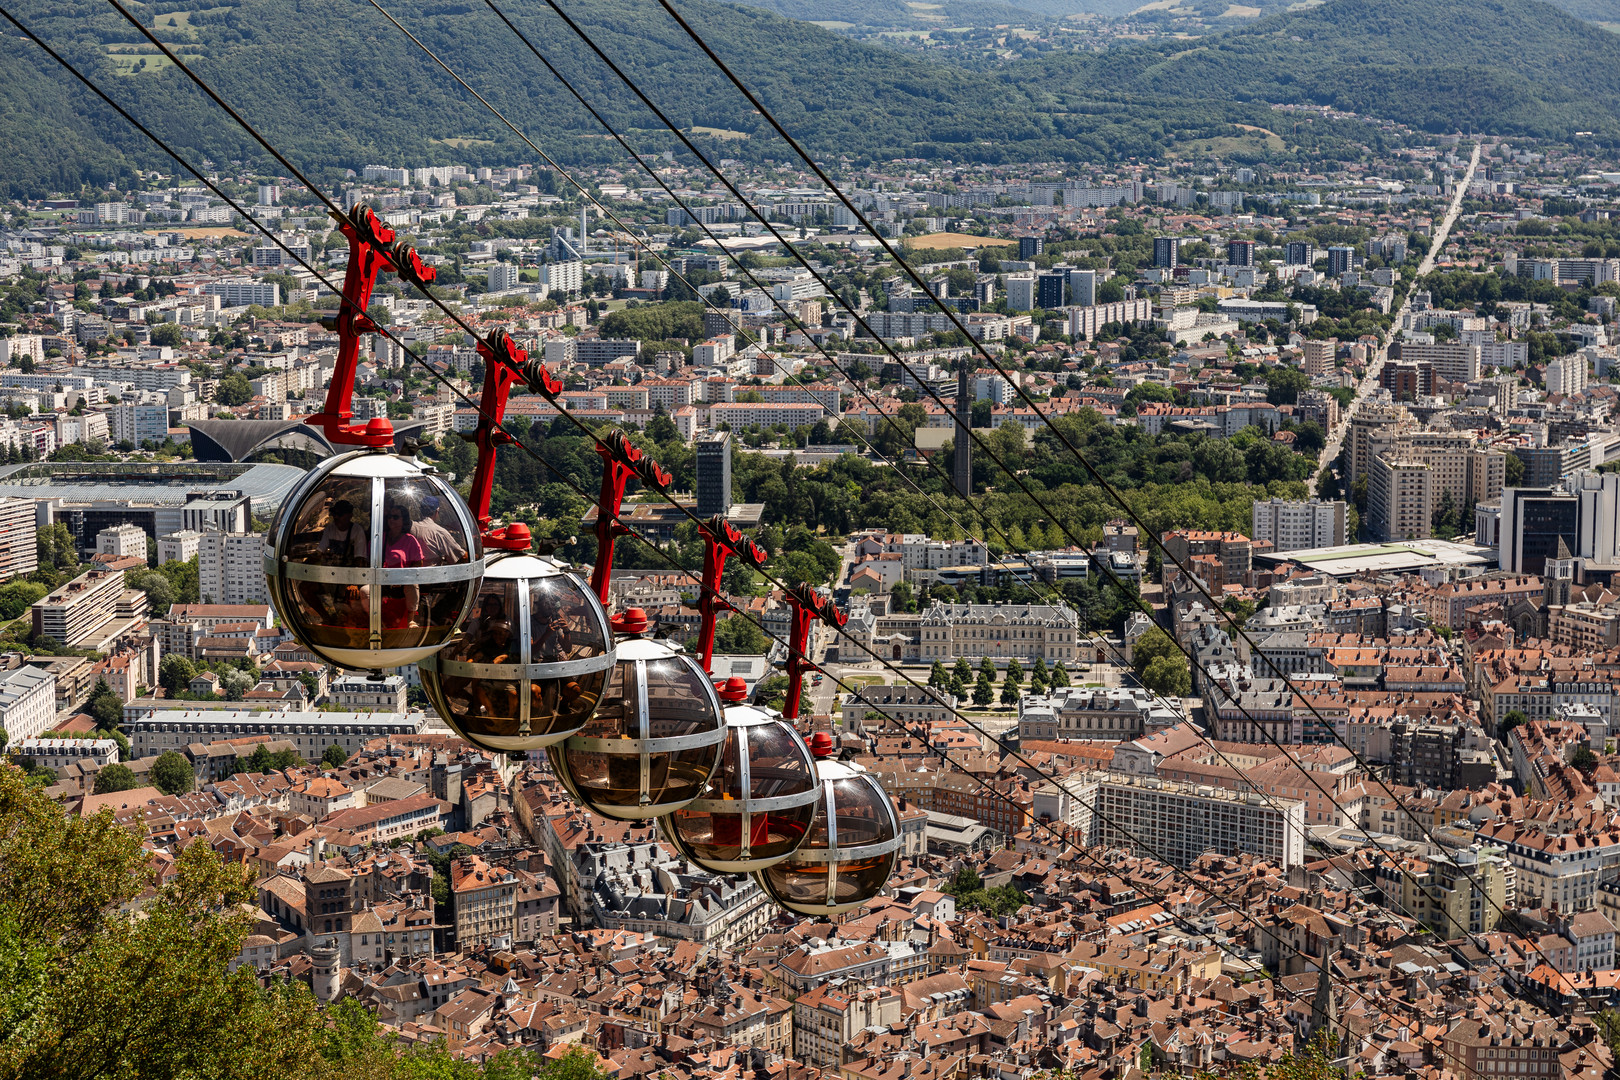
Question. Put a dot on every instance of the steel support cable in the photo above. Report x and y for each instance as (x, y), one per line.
(457, 318)
(1095, 474)
(629, 83)
(944, 756)
(644, 245)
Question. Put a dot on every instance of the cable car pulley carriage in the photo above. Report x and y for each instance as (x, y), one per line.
(345, 562)
(532, 661)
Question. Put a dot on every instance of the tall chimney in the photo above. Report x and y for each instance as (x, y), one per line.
(962, 463)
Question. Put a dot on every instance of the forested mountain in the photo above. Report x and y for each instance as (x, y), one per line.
(337, 87)
(1502, 66)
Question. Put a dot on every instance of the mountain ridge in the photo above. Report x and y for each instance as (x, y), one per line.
(337, 88)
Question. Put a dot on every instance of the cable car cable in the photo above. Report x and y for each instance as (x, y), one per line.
(1073, 449)
(1096, 475)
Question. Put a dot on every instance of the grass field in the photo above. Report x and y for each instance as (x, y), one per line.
(719, 133)
(1249, 140)
(957, 240)
(216, 232)
(178, 23)
(144, 63)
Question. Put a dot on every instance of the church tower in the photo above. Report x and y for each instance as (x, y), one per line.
(1325, 1012)
(1559, 577)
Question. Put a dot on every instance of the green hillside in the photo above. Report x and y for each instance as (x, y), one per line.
(338, 88)
(1501, 66)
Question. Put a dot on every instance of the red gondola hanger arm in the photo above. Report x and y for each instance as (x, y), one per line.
(808, 606)
(720, 540)
(621, 461)
(504, 365)
(373, 248)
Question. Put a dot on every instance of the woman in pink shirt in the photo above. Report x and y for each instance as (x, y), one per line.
(400, 548)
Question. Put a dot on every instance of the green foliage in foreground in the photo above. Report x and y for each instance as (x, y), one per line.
(89, 990)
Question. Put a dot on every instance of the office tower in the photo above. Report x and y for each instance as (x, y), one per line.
(1083, 287)
(962, 461)
(714, 474)
(1165, 251)
(1240, 252)
(1049, 290)
(1030, 246)
(1340, 260)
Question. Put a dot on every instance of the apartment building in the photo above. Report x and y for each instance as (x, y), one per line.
(122, 541)
(27, 703)
(178, 547)
(1366, 427)
(1179, 822)
(19, 547)
(1291, 525)
(1400, 497)
(827, 1019)
(1452, 360)
(1318, 358)
(742, 414)
(138, 423)
(1233, 554)
(230, 568)
(76, 610)
(484, 901)
(1463, 892)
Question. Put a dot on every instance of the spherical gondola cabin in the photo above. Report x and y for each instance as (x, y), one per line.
(373, 561)
(757, 806)
(655, 737)
(853, 844)
(530, 664)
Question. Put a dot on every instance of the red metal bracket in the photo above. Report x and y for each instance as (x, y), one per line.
(500, 372)
(372, 249)
(808, 605)
(720, 539)
(620, 462)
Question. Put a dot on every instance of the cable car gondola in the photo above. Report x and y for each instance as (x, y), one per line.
(373, 560)
(852, 846)
(655, 737)
(758, 804)
(531, 662)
